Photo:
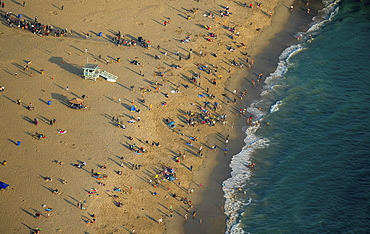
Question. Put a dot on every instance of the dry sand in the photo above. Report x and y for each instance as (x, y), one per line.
(92, 136)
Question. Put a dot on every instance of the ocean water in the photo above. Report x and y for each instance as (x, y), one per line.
(311, 144)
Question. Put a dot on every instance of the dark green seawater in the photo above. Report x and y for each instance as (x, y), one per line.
(314, 176)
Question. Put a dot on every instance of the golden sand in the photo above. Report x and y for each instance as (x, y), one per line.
(92, 136)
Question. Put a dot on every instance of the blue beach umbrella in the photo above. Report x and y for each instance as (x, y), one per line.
(3, 185)
(133, 108)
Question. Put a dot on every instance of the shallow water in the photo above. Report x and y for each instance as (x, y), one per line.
(312, 159)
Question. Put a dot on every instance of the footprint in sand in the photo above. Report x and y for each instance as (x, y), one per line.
(88, 20)
(53, 12)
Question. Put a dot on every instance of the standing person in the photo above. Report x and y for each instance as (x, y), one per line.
(250, 120)
(24, 4)
(186, 216)
(200, 149)
(260, 77)
(194, 214)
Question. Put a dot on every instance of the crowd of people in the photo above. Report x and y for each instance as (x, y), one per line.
(35, 26)
(200, 115)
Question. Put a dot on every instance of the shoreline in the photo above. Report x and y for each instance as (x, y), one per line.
(92, 134)
(266, 53)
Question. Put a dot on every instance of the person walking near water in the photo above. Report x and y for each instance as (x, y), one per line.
(260, 77)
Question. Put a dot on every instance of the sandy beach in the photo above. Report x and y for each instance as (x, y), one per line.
(106, 168)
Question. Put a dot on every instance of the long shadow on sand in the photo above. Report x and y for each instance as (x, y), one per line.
(61, 98)
(72, 68)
